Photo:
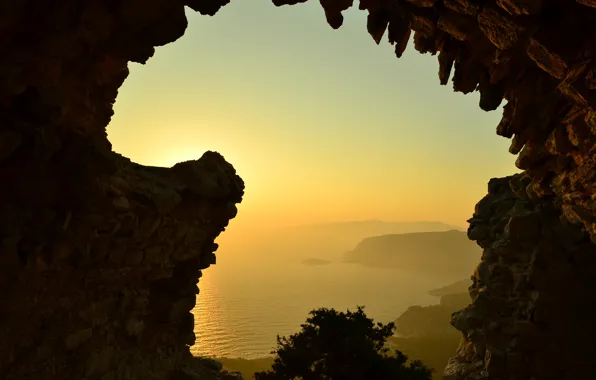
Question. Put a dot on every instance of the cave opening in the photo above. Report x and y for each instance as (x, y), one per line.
(307, 78)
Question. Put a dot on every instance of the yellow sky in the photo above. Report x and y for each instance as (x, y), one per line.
(322, 125)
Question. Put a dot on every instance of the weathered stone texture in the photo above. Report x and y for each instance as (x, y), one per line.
(99, 257)
(532, 303)
(102, 286)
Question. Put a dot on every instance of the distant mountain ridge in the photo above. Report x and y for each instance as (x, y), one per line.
(374, 227)
(458, 287)
(449, 254)
(331, 240)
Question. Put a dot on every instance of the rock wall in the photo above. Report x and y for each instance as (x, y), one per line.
(534, 309)
(99, 257)
(100, 284)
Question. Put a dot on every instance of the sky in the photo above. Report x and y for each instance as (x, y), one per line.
(323, 125)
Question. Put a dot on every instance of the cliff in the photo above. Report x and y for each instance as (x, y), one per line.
(532, 306)
(331, 240)
(448, 254)
(99, 277)
(457, 287)
(424, 332)
(99, 257)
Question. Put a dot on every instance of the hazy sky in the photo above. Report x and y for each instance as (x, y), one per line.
(321, 124)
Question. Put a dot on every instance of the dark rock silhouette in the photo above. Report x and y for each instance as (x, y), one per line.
(531, 289)
(99, 257)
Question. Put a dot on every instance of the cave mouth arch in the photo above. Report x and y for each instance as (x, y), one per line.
(370, 109)
(107, 252)
(449, 193)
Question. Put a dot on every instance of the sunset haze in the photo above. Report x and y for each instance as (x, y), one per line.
(323, 125)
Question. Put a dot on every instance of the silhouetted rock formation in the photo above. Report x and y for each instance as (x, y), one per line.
(533, 310)
(99, 257)
(100, 280)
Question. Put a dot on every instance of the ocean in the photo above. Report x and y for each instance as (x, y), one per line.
(245, 302)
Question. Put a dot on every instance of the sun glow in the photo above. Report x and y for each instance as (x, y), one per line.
(172, 157)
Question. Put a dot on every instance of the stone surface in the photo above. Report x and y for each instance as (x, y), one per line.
(108, 281)
(531, 293)
(99, 257)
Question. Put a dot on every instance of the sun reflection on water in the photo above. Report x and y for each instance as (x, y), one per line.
(243, 306)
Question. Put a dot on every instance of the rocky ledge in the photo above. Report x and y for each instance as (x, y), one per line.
(533, 304)
(102, 285)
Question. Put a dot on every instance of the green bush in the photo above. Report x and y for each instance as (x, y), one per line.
(341, 346)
